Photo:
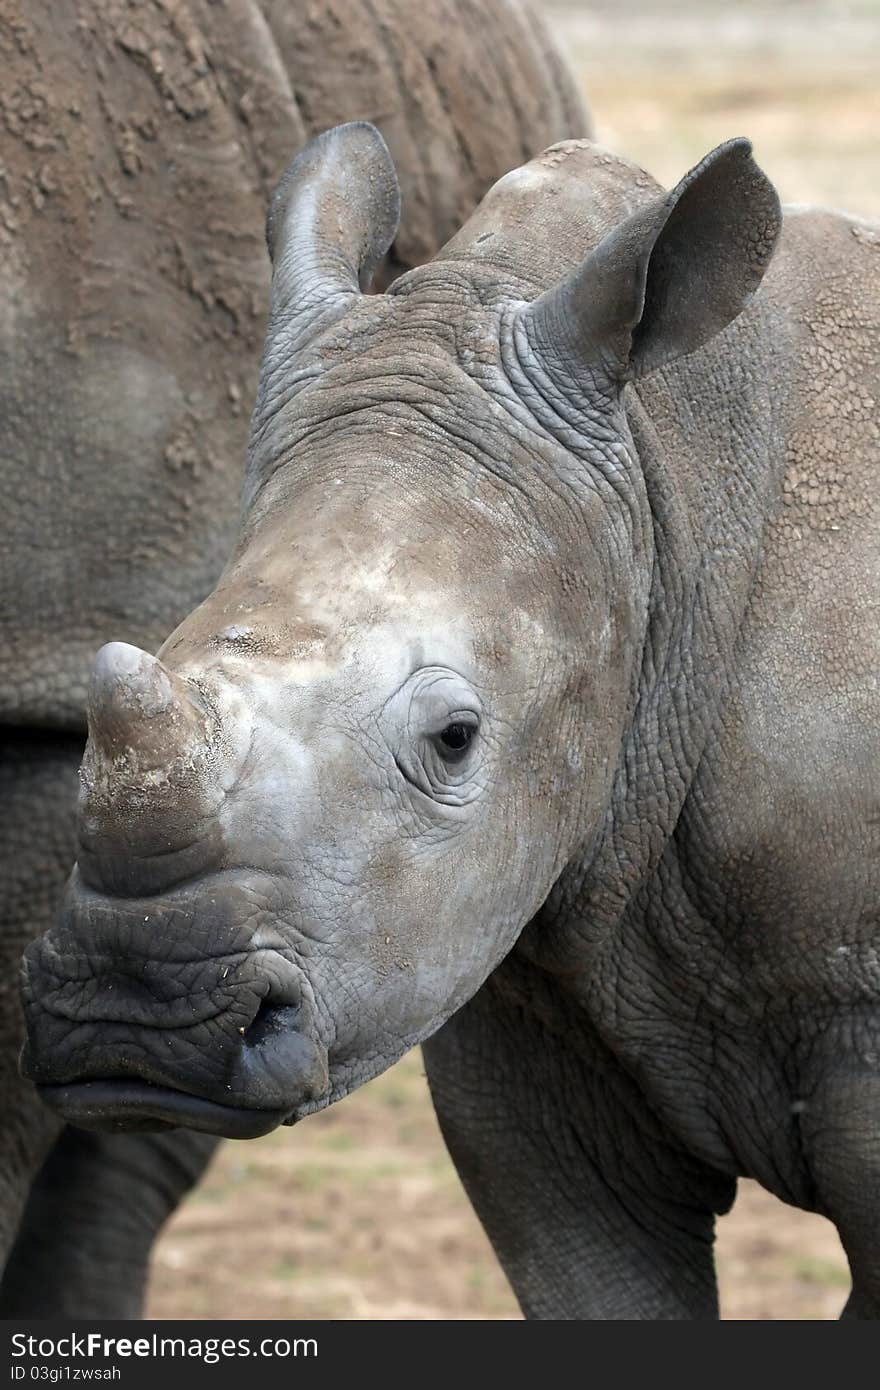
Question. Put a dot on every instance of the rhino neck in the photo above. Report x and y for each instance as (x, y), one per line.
(707, 436)
(709, 433)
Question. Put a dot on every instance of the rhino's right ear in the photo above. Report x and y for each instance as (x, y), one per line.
(666, 280)
(332, 217)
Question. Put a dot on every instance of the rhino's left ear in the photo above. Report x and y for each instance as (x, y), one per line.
(667, 279)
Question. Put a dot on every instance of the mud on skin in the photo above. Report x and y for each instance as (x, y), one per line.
(532, 716)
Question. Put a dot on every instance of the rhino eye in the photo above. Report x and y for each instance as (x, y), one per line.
(456, 739)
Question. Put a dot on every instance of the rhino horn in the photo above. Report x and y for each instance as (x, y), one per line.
(154, 774)
(141, 711)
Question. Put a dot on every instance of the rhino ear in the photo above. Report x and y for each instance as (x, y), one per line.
(331, 219)
(668, 278)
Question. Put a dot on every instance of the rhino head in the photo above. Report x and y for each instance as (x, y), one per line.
(317, 820)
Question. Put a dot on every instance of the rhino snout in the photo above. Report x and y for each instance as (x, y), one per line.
(187, 1011)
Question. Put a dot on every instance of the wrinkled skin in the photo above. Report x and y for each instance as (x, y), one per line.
(138, 147)
(536, 702)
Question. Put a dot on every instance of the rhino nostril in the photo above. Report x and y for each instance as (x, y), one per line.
(269, 1023)
(278, 1056)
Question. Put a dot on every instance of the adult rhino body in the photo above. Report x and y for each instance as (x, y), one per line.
(138, 145)
(538, 701)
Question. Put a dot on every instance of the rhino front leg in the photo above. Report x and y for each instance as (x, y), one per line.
(840, 1135)
(84, 1243)
(592, 1210)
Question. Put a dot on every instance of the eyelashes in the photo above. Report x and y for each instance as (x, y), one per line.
(455, 740)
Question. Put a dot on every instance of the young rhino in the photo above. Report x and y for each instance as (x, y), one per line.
(541, 691)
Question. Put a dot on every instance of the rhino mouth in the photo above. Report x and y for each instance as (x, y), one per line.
(135, 1105)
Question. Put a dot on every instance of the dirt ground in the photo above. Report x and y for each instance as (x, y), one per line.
(358, 1213)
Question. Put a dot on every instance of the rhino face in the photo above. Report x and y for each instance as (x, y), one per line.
(313, 826)
(315, 823)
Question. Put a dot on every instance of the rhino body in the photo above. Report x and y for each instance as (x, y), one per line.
(534, 718)
(138, 145)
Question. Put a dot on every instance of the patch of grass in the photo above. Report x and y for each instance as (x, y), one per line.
(379, 1171)
(316, 1223)
(339, 1141)
(211, 1196)
(811, 1269)
(310, 1177)
(396, 1097)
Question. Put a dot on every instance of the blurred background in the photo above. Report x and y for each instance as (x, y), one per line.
(358, 1213)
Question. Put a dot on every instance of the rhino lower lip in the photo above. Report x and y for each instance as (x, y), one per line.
(139, 1105)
